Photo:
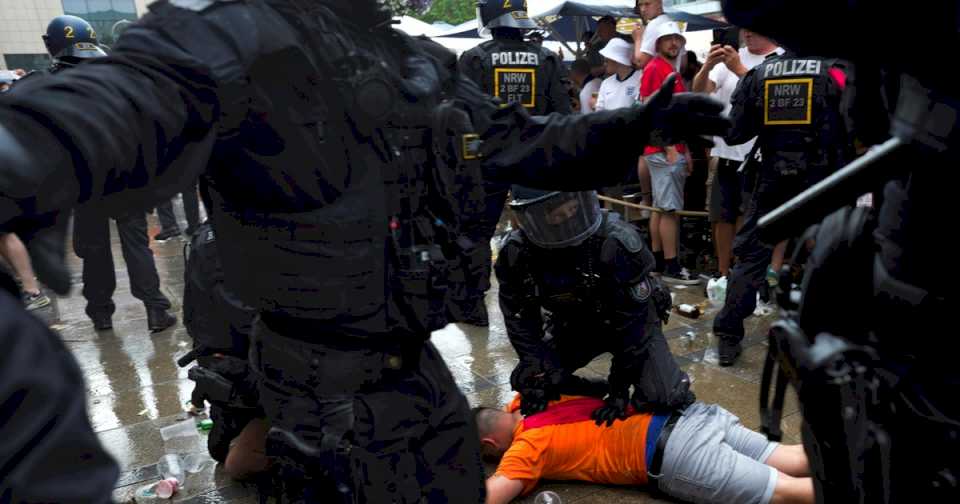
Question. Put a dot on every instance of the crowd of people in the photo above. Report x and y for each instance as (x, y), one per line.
(329, 339)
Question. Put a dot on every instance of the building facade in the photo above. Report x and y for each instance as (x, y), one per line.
(709, 8)
(23, 22)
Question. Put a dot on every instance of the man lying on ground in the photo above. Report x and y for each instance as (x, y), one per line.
(703, 455)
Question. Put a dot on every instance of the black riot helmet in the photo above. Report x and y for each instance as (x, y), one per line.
(554, 219)
(503, 14)
(71, 39)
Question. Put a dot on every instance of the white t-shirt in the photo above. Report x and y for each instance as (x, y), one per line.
(615, 93)
(587, 92)
(726, 82)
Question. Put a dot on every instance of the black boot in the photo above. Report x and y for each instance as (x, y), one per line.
(158, 319)
(101, 321)
(728, 350)
(478, 316)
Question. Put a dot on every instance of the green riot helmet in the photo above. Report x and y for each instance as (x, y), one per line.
(503, 14)
(555, 219)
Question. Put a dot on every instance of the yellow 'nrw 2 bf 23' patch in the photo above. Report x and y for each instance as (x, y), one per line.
(516, 85)
(788, 101)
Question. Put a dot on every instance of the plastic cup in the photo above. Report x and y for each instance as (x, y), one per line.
(166, 488)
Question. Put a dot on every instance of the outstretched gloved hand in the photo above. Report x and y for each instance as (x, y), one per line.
(683, 118)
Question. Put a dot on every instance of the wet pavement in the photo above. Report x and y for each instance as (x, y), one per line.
(134, 387)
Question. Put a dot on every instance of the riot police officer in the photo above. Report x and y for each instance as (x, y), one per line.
(868, 347)
(70, 41)
(588, 271)
(516, 71)
(321, 160)
(792, 104)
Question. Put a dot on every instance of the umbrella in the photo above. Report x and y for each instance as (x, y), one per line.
(561, 29)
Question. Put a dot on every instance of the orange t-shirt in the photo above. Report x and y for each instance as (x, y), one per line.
(578, 451)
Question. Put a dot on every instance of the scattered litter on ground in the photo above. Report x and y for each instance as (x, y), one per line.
(205, 425)
(711, 356)
(143, 412)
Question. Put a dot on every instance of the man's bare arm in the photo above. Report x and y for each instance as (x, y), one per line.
(702, 82)
(502, 490)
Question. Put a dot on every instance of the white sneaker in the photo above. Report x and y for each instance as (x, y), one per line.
(36, 301)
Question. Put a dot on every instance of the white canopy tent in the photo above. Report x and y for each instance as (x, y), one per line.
(543, 8)
(415, 28)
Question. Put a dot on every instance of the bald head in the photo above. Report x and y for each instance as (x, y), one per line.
(495, 430)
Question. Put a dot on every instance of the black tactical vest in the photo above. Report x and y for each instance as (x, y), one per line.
(591, 277)
(516, 72)
(323, 179)
(803, 134)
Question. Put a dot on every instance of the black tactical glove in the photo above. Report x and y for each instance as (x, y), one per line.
(538, 384)
(533, 401)
(683, 118)
(662, 301)
(615, 408)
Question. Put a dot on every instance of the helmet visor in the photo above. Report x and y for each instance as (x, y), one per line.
(564, 220)
(82, 50)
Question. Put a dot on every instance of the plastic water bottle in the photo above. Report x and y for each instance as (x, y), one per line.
(717, 290)
(547, 497)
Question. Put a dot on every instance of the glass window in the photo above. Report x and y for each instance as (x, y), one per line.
(27, 61)
(103, 15)
(125, 8)
(75, 7)
(99, 6)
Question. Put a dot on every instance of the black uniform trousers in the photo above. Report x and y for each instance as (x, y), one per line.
(191, 209)
(411, 428)
(746, 277)
(91, 228)
(577, 340)
(481, 231)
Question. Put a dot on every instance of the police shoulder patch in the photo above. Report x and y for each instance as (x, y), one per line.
(641, 290)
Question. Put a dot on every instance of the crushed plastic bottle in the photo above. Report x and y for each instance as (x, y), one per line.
(547, 497)
(196, 462)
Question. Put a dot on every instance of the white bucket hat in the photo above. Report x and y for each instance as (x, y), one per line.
(618, 50)
(670, 28)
